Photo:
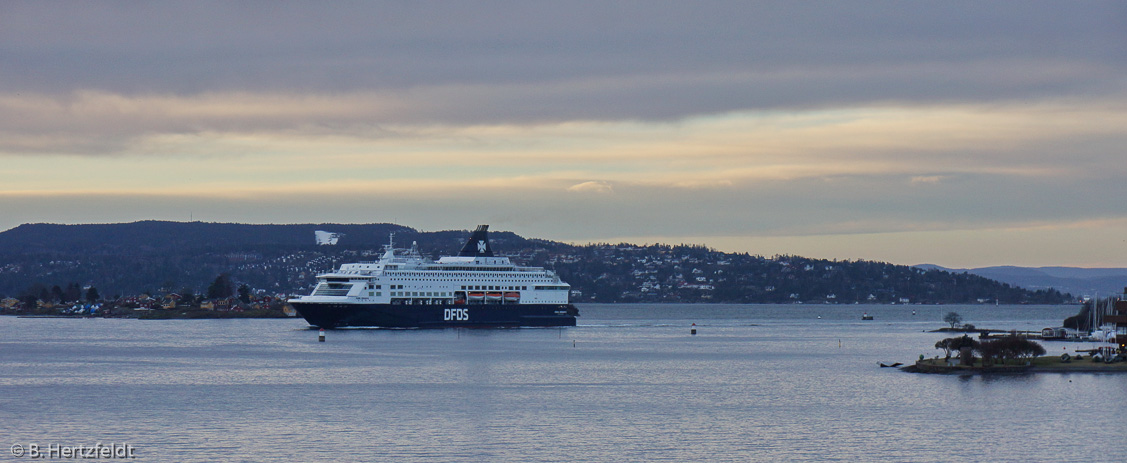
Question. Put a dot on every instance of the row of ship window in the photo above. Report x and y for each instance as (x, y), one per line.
(493, 288)
(468, 275)
(430, 294)
(459, 279)
(474, 288)
(417, 294)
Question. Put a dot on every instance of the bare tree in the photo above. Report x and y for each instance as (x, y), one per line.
(953, 318)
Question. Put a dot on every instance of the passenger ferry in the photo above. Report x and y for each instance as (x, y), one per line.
(405, 290)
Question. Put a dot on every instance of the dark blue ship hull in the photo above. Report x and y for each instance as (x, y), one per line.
(328, 315)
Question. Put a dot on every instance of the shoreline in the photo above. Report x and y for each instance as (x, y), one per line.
(1045, 364)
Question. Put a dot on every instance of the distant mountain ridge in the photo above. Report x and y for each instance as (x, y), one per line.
(160, 256)
(160, 235)
(157, 257)
(1075, 280)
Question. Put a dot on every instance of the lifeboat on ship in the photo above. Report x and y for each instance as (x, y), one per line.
(512, 297)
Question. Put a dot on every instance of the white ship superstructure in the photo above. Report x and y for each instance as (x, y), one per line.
(403, 276)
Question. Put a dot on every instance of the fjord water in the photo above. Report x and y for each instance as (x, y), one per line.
(757, 383)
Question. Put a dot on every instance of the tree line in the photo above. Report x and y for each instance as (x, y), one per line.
(72, 293)
(1006, 348)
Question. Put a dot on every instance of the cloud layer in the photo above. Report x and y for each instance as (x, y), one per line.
(778, 124)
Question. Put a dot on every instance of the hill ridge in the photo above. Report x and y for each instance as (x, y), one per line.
(153, 256)
(1078, 281)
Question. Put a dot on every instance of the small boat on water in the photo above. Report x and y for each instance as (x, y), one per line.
(866, 316)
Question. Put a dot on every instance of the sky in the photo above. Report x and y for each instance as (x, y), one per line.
(962, 134)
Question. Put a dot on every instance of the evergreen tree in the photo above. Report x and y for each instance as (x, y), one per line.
(57, 294)
(220, 288)
(244, 294)
(73, 292)
(92, 295)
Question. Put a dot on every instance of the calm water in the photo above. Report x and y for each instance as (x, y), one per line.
(758, 383)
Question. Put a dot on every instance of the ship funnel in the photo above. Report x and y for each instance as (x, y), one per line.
(478, 244)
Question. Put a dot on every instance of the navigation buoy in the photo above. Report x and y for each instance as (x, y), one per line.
(321, 335)
(693, 331)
